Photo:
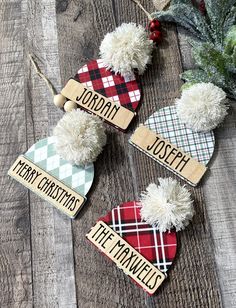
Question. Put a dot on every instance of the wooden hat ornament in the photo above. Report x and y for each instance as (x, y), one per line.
(180, 137)
(60, 168)
(109, 86)
(139, 237)
(54, 179)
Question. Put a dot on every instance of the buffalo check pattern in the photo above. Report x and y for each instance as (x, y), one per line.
(158, 248)
(166, 123)
(78, 178)
(97, 77)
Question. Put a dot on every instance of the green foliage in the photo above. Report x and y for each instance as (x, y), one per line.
(215, 55)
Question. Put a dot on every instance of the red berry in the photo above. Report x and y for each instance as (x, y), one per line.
(154, 25)
(202, 7)
(156, 36)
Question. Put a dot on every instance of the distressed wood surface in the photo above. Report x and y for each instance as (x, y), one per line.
(220, 194)
(45, 259)
(36, 266)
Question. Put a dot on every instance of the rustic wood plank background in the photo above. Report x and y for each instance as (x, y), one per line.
(45, 260)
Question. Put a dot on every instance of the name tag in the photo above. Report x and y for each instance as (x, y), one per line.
(98, 104)
(126, 257)
(46, 186)
(168, 155)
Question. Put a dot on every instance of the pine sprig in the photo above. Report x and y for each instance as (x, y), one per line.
(216, 55)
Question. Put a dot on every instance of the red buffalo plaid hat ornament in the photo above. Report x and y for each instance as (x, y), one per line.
(140, 236)
(109, 86)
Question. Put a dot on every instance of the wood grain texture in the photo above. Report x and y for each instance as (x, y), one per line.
(15, 247)
(220, 193)
(122, 172)
(45, 260)
(36, 252)
(51, 237)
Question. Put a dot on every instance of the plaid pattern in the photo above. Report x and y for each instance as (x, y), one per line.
(95, 75)
(158, 248)
(78, 178)
(166, 123)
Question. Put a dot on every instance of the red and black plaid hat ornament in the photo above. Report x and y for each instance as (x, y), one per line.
(140, 236)
(109, 86)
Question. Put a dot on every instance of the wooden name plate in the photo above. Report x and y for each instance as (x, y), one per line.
(98, 104)
(126, 257)
(168, 155)
(46, 186)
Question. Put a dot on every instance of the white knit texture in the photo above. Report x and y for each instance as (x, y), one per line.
(202, 107)
(126, 49)
(167, 206)
(79, 137)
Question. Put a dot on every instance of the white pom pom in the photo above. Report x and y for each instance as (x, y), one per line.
(202, 106)
(167, 206)
(127, 48)
(79, 137)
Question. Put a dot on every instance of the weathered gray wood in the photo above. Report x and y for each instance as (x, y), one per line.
(15, 250)
(36, 253)
(51, 237)
(220, 194)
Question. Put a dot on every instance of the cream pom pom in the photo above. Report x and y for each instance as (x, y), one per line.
(79, 137)
(202, 106)
(125, 49)
(167, 206)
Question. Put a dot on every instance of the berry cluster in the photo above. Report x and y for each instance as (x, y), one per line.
(154, 27)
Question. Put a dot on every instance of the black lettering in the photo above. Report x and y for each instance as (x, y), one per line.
(108, 106)
(151, 287)
(172, 152)
(108, 238)
(39, 184)
(49, 190)
(183, 160)
(46, 184)
(70, 203)
(179, 155)
(56, 189)
(104, 234)
(79, 98)
(67, 195)
(155, 151)
(63, 191)
(100, 227)
(128, 260)
(24, 168)
(27, 172)
(75, 204)
(149, 147)
(30, 177)
(134, 268)
(145, 269)
(116, 109)
(165, 151)
(143, 280)
(87, 97)
(21, 164)
(125, 252)
(99, 104)
(37, 175)
(119, 245)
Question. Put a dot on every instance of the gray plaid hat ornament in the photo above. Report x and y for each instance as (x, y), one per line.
(171, 143)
